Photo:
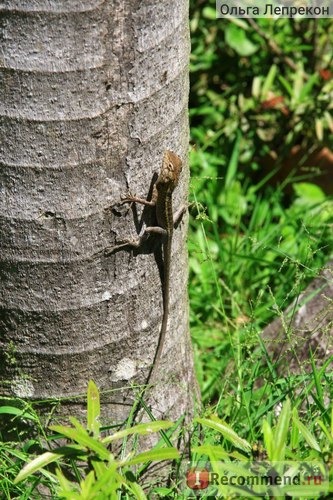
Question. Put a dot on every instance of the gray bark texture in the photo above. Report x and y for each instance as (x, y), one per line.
(93, 92)
(305, 327)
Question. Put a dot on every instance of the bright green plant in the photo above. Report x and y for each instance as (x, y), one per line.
(290, 448)
(21, 435)
(270, 79)
(96, 471)
(253, 255)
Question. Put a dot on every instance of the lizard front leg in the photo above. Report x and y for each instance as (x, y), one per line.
(130, 198)
(138, 242)
(178, 215)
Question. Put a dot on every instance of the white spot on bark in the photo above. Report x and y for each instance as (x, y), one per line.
(106, 296)
(74, 241)
(22, 388)
(125, 370)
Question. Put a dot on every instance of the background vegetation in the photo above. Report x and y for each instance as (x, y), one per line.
(261, 228)
(261, 106)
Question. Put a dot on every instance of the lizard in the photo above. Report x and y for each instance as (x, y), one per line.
(161, 199)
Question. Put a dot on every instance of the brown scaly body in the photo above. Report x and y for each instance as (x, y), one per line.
(165, 185)
(162, 201)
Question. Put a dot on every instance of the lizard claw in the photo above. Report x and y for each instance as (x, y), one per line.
(127, 198)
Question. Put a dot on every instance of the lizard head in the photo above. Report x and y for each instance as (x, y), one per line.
(170, 171)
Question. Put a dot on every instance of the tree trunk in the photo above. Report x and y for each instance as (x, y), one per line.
(94, 92)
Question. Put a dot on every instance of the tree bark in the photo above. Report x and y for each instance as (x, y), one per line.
(94, 92)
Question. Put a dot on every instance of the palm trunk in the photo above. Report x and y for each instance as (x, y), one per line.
(92, 97)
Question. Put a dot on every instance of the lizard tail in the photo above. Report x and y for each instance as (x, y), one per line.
(166, 301)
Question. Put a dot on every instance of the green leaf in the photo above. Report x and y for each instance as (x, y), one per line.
(256, 86)
(19, 412)
(309, 193)
(108, 481)
(326, 432)
(141, 429)
(307, 90)
(37, 464)
(281, 432)
(268, 438)
(86, 484)
(81, 437)
(224, 429)
(294, 434)
(209, 13)
(67, 486)
(93, 408)
(308, 436)
(137, 491)
(307, 490)
(319, 128)
(268, 81)
(233, 164)
(235, 37)
(298, 83)
(286, 85)
(153, 455)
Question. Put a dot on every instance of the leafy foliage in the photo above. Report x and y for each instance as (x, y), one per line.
(97, 472)
(86, 468)
(289, 448)
(269, 79)
(254, 244)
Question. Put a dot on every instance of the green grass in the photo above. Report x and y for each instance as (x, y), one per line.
(250, 256)
(84, 466)
(254, 245)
